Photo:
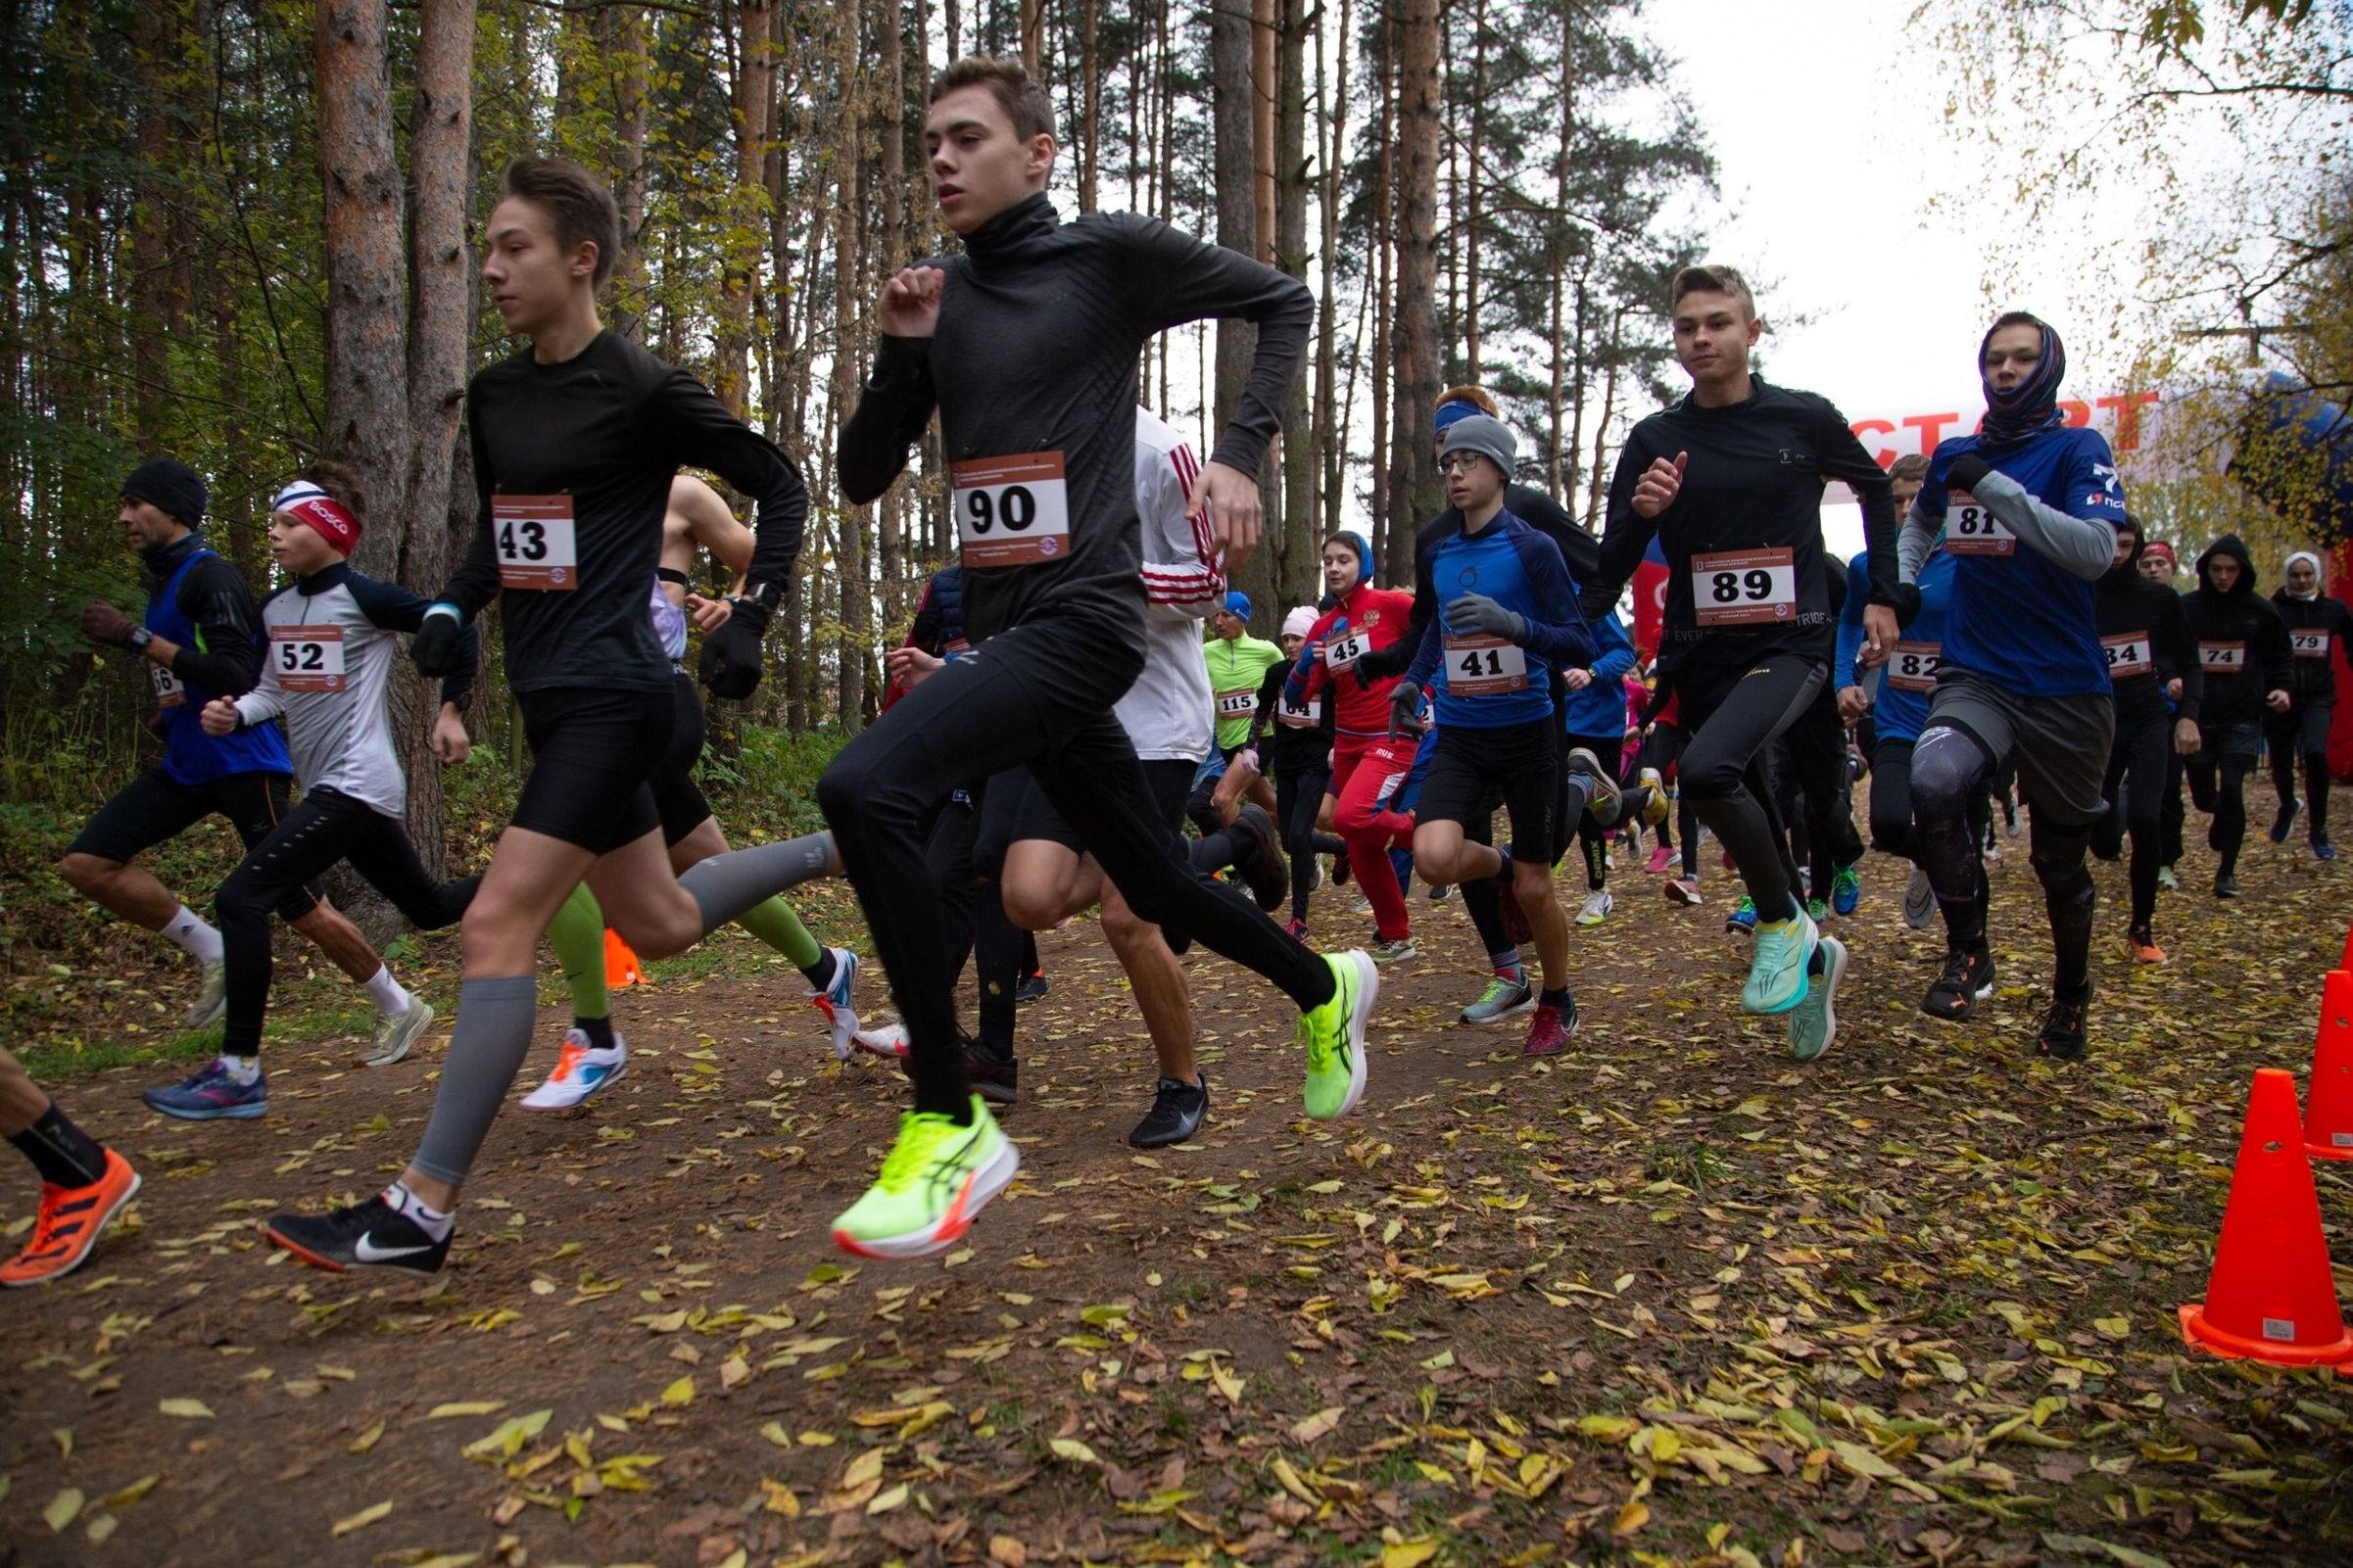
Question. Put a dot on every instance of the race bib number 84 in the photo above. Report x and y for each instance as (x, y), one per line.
(1012, 512)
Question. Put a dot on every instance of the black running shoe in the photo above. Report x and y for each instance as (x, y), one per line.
(367, 1235)
(1178, 1107)
(2226, 885)
(1967, 981)
(1264, 868)
(2060, 1035)
(992, 1077)
(1340, 870)
(2286, 819)
(1032, 987)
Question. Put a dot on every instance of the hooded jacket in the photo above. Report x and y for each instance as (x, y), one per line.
(2147, 641)
(2241, 642)
(2318, 628)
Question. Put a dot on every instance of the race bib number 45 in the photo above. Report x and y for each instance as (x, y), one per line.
(1012, 512)
(1971, 530)
(1345, 650)
(307, 658)
(2228, 657)
(1744, 587)
(1485, 667)
(537, 547)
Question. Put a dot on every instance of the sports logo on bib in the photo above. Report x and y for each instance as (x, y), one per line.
(1971, 530)
(307, 658)
(2229, 658)
(1912, 667)
(1744, 587)
(1012, 512)
(1485, 667)
(536, 542)
(2129, 654)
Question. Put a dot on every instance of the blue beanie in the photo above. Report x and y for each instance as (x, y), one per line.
(1460, 408)
(1237, 606)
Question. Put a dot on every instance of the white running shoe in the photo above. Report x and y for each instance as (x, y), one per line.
(582, 1072)
(1597, 905)
(1919, 901)
(835, 1002)
(396, 1032)
(886, 1040)
(211, 1001)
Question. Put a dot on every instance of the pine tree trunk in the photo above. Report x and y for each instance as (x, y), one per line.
(1385, 300)
(1233, 120)
(848, 367)
(1414, 491)
(1295, 566)
(630, 41)
(1331, 141)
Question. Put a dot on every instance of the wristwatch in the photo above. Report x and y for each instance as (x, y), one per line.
(140, 636)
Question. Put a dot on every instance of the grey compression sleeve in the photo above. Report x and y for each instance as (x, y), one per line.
(1912, 546)
(486, 1052)
(2084, 548)
(728, 886)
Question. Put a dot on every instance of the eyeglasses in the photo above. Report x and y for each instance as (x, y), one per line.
(1460, 459)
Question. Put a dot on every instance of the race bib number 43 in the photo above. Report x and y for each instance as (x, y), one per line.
(537, 547)
(1971, 530)
(1744, 587)
(1485, 667)
(2228, 657)
(307, 658)
(1012, 512)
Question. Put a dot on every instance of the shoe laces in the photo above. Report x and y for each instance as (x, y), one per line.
(1957, 972)
(2065, 1015)
(49, 1217)
(1497, 989)
(571, 1054)
(920, 1134)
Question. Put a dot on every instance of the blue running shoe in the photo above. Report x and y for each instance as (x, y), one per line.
(210, 1094)
(1846, 891)
(1742, 919)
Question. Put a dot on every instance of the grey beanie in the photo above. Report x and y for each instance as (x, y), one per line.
(1490, 438)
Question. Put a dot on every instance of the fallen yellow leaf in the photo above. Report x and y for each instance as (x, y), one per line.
(62, 1509)
(192, 1410)
(1072, 1449)
(441, 1412)
(363, 1519)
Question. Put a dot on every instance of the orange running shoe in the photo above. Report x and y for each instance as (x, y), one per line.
(70, 1221)
(2143, 942)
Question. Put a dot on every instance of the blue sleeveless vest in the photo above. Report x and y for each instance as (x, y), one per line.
(191, 756)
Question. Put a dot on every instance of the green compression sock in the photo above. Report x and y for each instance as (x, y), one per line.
(775, 923)
(577, 933)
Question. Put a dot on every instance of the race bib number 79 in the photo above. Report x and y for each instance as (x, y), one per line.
(536, 544)
(1012, 512)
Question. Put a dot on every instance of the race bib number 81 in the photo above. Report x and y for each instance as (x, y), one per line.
(537, 547)
(1744, 587)
(1971, 530)
(1012, 512)
(307, 658)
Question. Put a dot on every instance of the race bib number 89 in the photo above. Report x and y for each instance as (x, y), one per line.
(1012, 512)
(1485, 667)
(537, 547)
(307, 658)
(1744, 587)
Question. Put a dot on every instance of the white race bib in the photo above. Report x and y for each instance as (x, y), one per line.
(1236, 704)
(537, 547)
(1912, 667)
(1971, 530)
(2311, 644)
(2228, 657)
(2129, 654)
(1744, 587)
(1012, 512)
(1484, 667)
(1299, 715)
(307, 658)
(168, 692)
(1345, 650)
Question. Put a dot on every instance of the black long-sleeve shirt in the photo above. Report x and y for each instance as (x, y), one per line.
(1753, 484)
(1041, 324)
(604, 431)
(215, 598)
(2147, 640)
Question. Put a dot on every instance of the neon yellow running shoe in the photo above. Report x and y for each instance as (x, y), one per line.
(1333, 1036)
(935, 1178)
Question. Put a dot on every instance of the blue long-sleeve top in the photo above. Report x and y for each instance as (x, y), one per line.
(1900, 709)
(1479, 684)
(1601, 708)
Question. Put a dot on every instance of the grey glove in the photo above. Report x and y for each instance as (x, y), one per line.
(1405, 711)
(1476, 612)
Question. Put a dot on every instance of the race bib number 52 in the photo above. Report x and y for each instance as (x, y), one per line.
(1012, 512)
(537, 547)
(1744, 587)
(307, 658)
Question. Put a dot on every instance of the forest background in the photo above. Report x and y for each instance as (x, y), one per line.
(241, 233)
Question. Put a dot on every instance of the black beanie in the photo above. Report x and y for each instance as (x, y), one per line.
(170, 486)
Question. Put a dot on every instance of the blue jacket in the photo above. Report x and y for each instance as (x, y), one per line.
(1601, 708)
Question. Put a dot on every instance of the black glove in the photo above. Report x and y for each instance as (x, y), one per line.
(1404, 706)
(1967, 469)
(1906, 602)
(731, 655)
(439, 646)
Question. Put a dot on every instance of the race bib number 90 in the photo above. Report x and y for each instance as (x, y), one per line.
(1012, 512)
(307, 658)
(1912, 667)
(1236, 704)
(1485, 667)
(537, 547)
(2228, 657)
(2128, 654)
(2313, 644)
(1744, 587)
(1971, 530)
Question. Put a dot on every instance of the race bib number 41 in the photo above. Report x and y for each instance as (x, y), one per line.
(1012, 512)
(1485, 667)
(1971, 530)
(1744, 587)
(537, 547)
(307, 658)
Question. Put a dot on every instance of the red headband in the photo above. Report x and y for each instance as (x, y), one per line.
(330, 517)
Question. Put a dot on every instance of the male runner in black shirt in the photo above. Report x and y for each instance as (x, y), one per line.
(1027, 345)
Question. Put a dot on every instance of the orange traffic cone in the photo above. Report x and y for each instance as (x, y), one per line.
(620, 964)
(2328, 1101)
(2347, 963)
(2270, 1296)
